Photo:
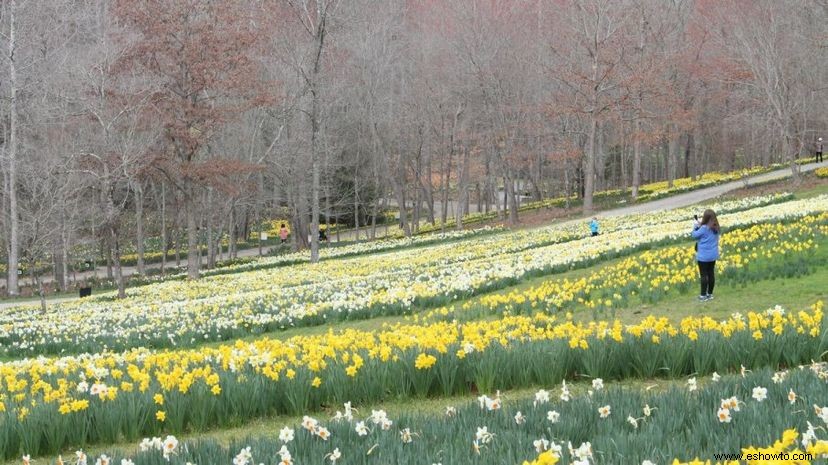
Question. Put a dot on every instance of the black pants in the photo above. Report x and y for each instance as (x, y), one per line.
(819, 157)
(708, 280)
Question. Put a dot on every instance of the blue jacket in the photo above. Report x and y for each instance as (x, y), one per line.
(708, 243)
(593, 226)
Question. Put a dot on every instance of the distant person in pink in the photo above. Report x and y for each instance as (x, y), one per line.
(283, 233)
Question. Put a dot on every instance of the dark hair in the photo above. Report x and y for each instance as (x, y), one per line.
(283, 225)
(709, 218)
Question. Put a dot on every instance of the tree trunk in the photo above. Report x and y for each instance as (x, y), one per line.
(462, 178)
(139, 228)
(672, 154)
(600, 159)
(57, 260)
(231, 227)
(636, 169)
(259, 210)
(446, 178)
(428, 188)
(107, 247)
(211, 245)
(64, 250)
(697, 155)
(164, 244)
(192, 234)
(398, 183)
(356, 204)
(373, 234)
(177, 229)
(589, 162)
(687, 150)
(37, 284)
(115, 253)
(14, 240)
(510, 192)
(790, 152)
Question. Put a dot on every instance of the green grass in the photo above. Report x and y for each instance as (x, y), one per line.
(791, 294)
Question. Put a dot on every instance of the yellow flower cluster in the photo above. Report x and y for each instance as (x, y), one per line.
(783, 452)
(72, 383)
(545, 458)
(665, 269)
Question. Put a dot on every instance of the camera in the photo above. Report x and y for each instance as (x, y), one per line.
(696, 217)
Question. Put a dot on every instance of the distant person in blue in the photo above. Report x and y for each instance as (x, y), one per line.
(593, 226)
(706, 234)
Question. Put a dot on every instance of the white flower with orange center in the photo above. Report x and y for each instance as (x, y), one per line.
(309, 423)
(605, 411)
(323, 433)
(169, 446)
(724, 415)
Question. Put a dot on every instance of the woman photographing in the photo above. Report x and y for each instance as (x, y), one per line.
(706, 234)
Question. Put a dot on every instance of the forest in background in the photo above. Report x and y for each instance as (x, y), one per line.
(191, 120)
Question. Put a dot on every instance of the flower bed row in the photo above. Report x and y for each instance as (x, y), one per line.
(602, 426)
(756, 253)
(49, 404)
(222, 307)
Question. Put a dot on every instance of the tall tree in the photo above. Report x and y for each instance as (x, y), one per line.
(769, 55)
(590, 40)
(199, 53)
(315, 16)
(11, 148)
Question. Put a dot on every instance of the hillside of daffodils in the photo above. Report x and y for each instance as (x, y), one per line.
(536, 346)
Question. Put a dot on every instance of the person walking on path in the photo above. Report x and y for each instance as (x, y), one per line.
(819, 150)
(593, 226)
(706, 234)
(283, 233)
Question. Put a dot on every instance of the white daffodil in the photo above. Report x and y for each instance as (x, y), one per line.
(541, 397)
(760, 393)
(361, 429)
(286, 434)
